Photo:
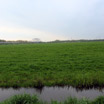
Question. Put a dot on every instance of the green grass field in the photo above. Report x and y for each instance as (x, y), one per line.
(76, 64)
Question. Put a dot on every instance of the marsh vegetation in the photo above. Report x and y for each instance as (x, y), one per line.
(27, 99)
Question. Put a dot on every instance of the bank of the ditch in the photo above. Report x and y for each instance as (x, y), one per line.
(27, 99)
(76, 64)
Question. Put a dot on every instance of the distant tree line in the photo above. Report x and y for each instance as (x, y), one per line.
(11, 42)
(1, 40)
(81, 40)
(18, 41)
(55, 41)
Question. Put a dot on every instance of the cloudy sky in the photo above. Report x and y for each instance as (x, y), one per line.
(51, 19)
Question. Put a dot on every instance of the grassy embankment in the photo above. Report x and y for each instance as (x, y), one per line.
(27, 99)
(76, 64)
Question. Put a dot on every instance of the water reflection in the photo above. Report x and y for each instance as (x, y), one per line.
(53, 93)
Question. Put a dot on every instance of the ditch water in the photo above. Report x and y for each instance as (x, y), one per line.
(53, 93)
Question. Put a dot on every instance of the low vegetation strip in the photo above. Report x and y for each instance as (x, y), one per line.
(49, 64)
(27, 99)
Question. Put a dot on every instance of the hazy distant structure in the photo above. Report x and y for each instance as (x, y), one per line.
(36, 40)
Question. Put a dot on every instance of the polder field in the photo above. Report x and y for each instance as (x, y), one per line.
(49, 64)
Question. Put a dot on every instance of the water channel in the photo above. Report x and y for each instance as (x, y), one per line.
(53, 93)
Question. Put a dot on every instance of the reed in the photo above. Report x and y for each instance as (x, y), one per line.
(27, 99)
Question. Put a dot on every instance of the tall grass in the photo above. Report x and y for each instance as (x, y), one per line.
(27, 99)
(22, 99)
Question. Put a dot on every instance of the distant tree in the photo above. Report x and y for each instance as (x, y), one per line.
(56, 41)
(36, 40)
(21, 41)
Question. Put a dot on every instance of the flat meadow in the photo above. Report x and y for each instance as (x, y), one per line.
(49, 64)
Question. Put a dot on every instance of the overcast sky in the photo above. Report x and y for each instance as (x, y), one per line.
(51, 19)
